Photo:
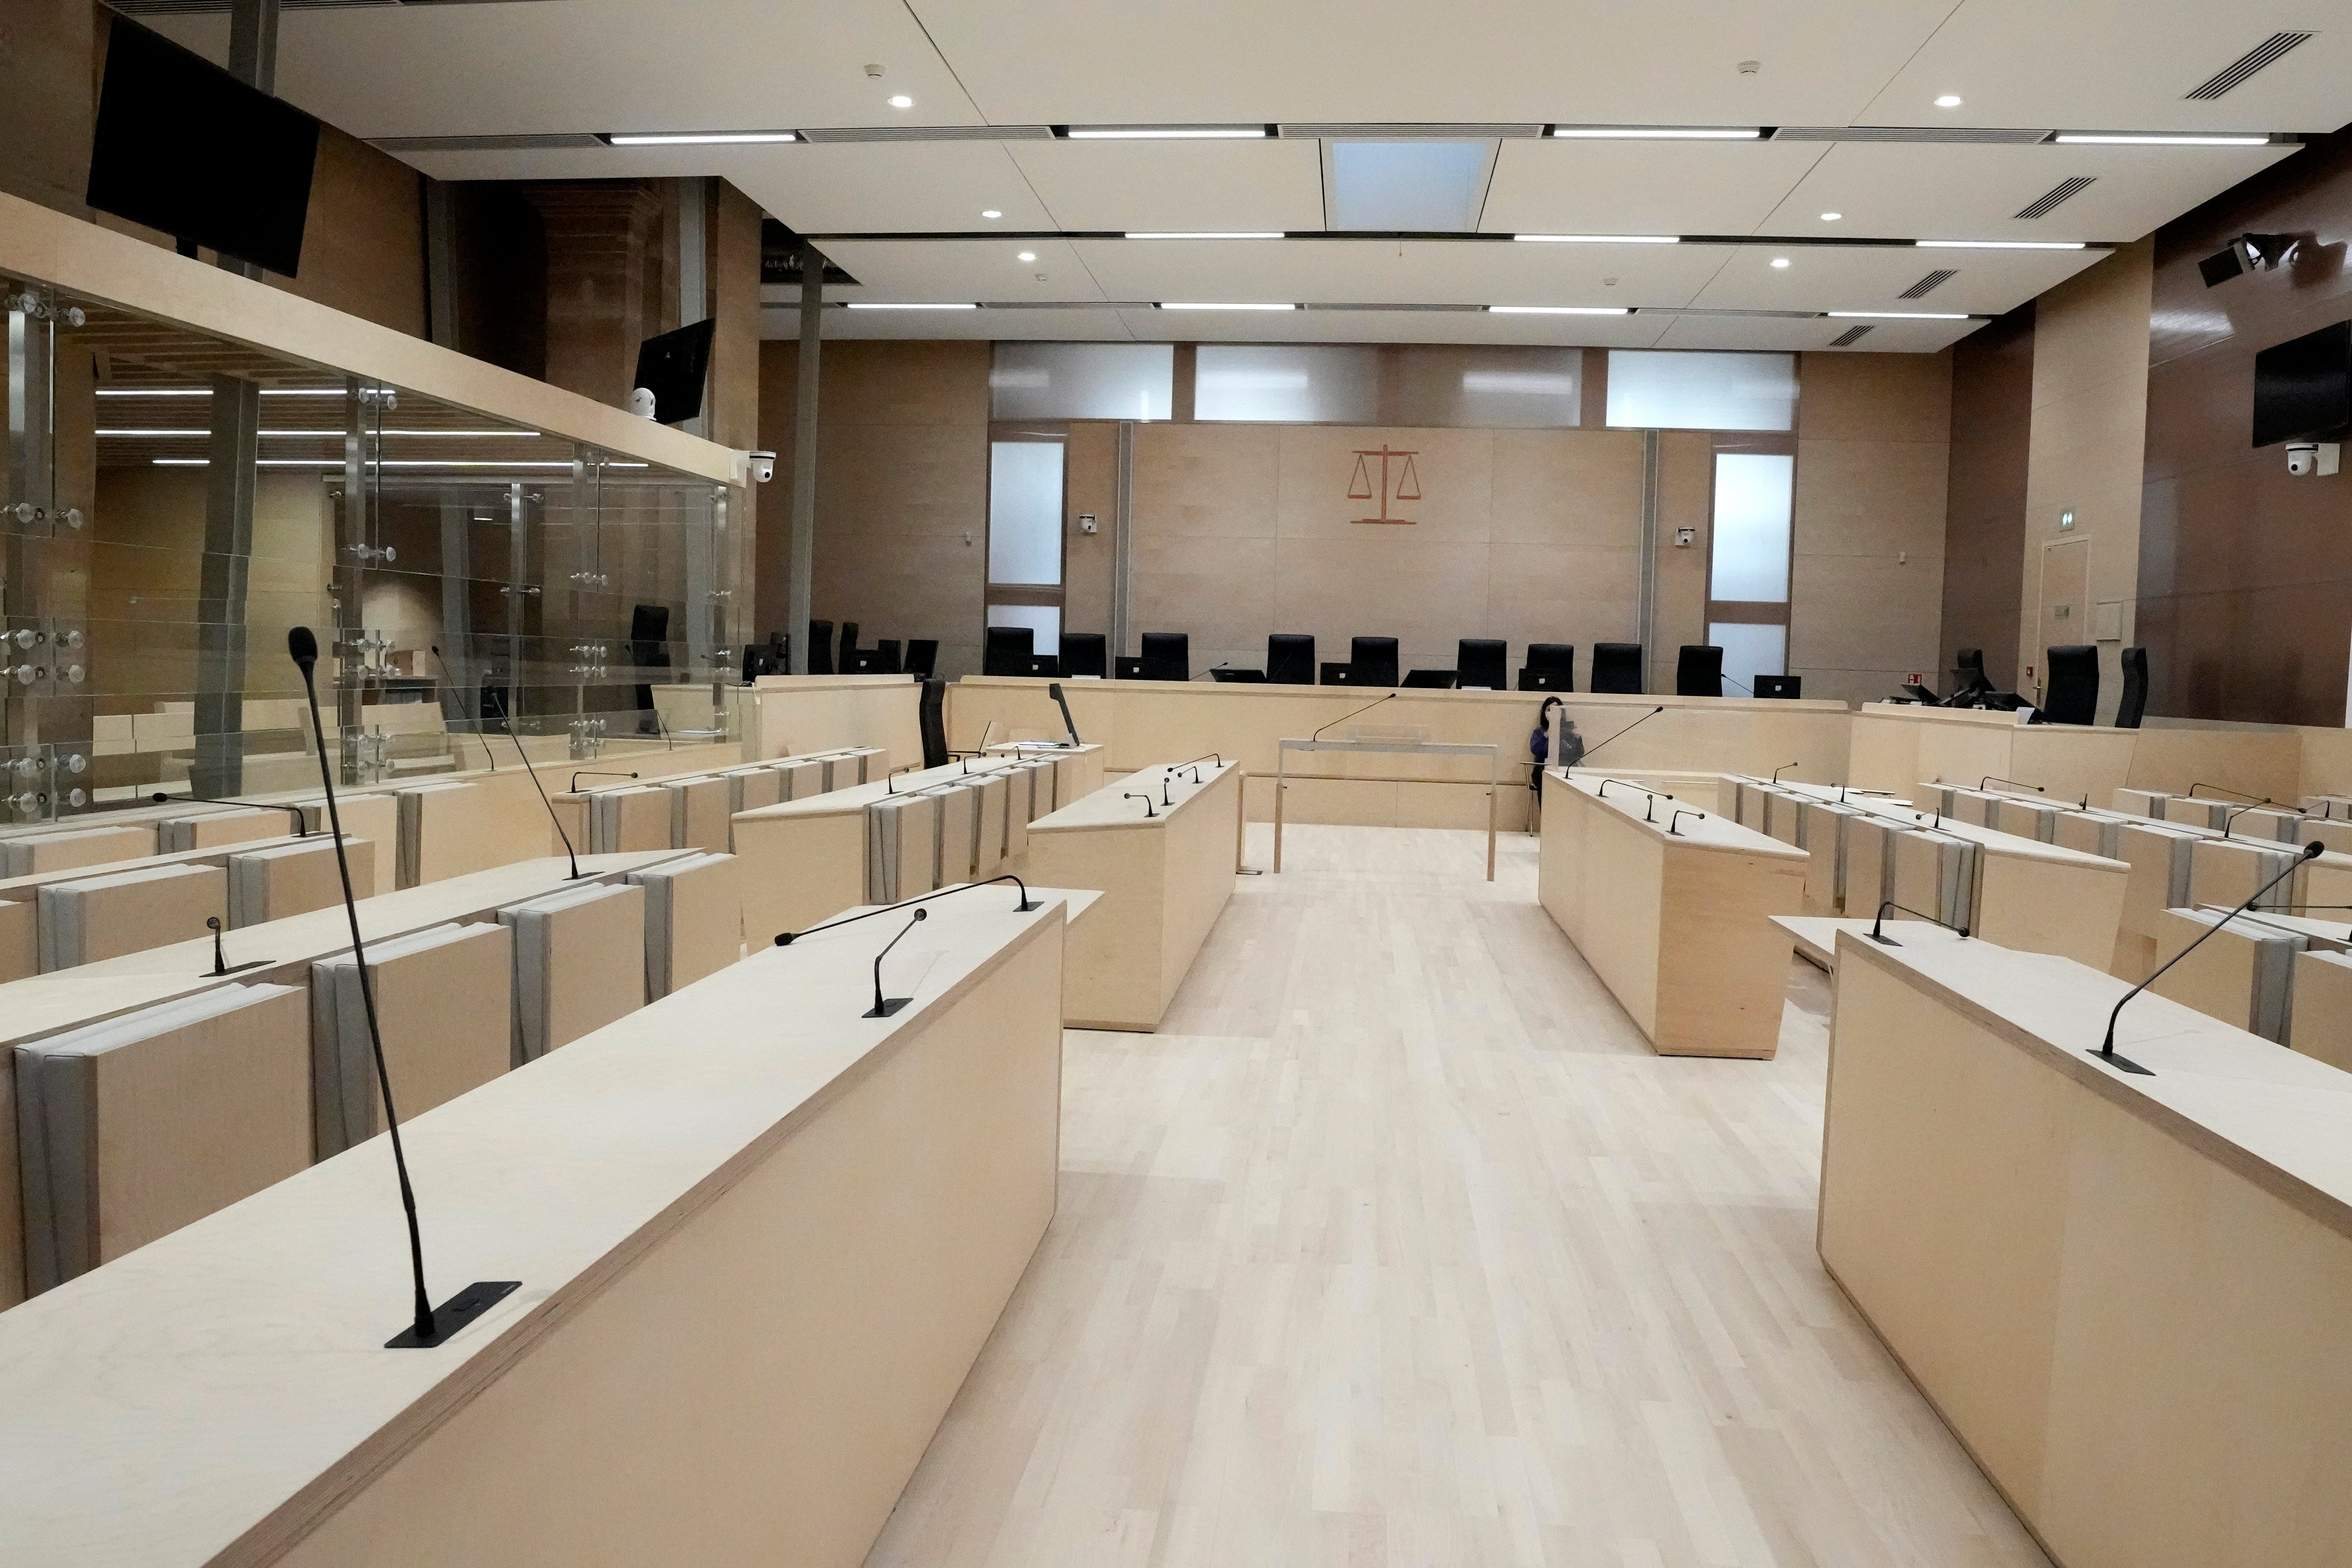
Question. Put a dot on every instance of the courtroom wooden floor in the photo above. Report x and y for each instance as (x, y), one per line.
(1396, 1246)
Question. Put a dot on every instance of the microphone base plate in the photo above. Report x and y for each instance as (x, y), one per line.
(238, 968)
(890, 1005)
(450, 1317)
(2121, 1063)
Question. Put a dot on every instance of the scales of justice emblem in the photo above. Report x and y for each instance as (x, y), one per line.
(1407, 483)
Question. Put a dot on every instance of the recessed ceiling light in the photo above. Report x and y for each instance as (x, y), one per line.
(1560, 310)
(900, 101)
(1832, 218)
(1779, 262)
(1175, 305)
(1949, 101)
(907, 305)
(1028, 256)
(1658, 133)
(2000, 244)
(696, 138)
(1899, 315)
(1232, 234)
(1600, 239)
(2127, 139)
(1166, 132)
(990, 211)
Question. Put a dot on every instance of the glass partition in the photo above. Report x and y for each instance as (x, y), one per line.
(175, 504)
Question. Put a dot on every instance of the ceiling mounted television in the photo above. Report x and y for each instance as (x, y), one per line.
(184, 147)
(2302, 388)
(673, 367)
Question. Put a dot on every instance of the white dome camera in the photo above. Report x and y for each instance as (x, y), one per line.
(2305, 458)
(641, 402)
(763, 466)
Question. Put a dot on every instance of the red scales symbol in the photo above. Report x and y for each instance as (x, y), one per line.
(1408, 482)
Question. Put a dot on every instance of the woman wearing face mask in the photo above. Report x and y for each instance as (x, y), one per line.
(1541, 746)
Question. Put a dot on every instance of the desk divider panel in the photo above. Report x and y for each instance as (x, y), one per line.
(958, 835)
(579, 963)
(128, 1129)
(1867, 880)
(2226, 871)
(444, 1003)
(698, 814)
(2244, 975)
(1017, 815)
(637, 816)
(2148, 803)
(374, 818)
(295, 878)
(35, 853)
(1783, 816)
(20, 939)
(431, 818)
(214, 829)
(2032, 819)
(2319, 1022)
(694, 919)
(988, 854)
(902, 847)
(2088, 832)
(1935, 797)
(798, 780)
(1826, 824)
(753, 788)
(1935, 873)
(129, 912)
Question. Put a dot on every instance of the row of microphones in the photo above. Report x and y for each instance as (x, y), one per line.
(429, 1326)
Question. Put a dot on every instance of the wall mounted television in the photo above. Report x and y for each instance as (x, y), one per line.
(2303, 387)
(184, 147)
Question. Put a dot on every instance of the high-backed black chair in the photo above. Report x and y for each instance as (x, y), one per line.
(922, 656)
(848, 647)
(1011, 650)
(1617, 666)
(2070, 695)
(1551, 667)
(1290, 659)
(1698, 671)
(886, 656)
(820, 647)
(1085, 653)
(1482, 661)
(930, 714)
(2133, 705)
(1372, 661)
(1968, 665)
(1167, 656)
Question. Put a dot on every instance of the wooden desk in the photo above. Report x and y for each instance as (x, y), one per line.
(1896, 743)
(787, 713)
(1677, 924)
(1164, 879)
(760, 1247)
(2126, 1295)
(1371, 748)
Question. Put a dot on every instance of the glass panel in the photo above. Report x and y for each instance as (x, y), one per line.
(1660, 390)
(1046, 620)
(1752, 497)
(1025, 512)
(1294, 384)
(1409, 186)
(1081, 380)
(1749, 651)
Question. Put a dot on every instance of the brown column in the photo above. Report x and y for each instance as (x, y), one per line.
(602, 239)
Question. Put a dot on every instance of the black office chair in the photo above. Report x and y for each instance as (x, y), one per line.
(1290, 659)
(886, 656)
(1009, 650)
(1698, 671)
(1968, 667)
(930, 714)
(2070, 695)
(758, 660)
(848, 647)
(1482, 661)
(1085, 653)
(1617, 666)
(1167, 656)
(923, 657)
(2134, 706)
(1551, 667)
(820, 647)
(1372, 661)
(1440, 679)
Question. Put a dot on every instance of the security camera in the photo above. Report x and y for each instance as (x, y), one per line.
(641, 402)
(2249, 253)
(2305, 458)
(763, 466)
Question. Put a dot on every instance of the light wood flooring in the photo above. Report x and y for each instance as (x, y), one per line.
(1396, 1248)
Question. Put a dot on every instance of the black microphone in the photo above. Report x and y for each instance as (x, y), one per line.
(444, 663)
(2223, 789)
(571, 854)
(2106, 1051)
(1743, 686)
(429, 1329)
(1644, 718)
(1783, 768)
(1027, 905)
(2021, 784)
(883, 1008)
(1145, 799)
(1878, 927)
(593, 774)
(301, 823)
(1345, 717)
(1063, 702)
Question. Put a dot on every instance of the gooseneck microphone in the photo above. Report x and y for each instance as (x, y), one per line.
(1027, 905)
(429, 1328)
(2107, 1049)
(569, 853)
(1634, 725)
(885, 1007)
(1345, 717)
(301, 823)
(1878, 927)
(1145, 799)
(1783, 768)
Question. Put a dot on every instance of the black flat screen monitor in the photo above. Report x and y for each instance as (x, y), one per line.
(1789, 686)
(2303, 387)
(673, 367)
(1547, 681)
(183, 146)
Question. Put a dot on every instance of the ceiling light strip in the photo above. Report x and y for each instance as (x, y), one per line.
(1165, 133)
(1899, 316)
(1658, 133)
(1560, 310)
(1599, 238)
(2002, 244)
(1228, 234)
(911, 305)
(1226, 305)
(696, 138)
(2154, 139)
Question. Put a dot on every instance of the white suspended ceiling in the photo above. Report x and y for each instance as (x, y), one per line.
(567, 70)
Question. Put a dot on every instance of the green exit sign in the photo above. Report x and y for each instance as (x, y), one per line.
(2065, 521)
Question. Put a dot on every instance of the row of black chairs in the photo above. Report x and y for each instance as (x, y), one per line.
(775, 656)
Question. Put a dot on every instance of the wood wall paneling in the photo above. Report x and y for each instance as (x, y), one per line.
(1984, 527)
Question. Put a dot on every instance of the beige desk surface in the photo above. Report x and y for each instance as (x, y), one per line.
(1705, 831)
(1817, 935)
(1109, 807)
(855, 798)
(221, 1393)
(2280, 1119)
(15, 890)
(1993, 839)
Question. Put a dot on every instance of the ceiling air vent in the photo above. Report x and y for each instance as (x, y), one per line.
(1848, 338)
(2064, 191)
(2267, 53)
(1930, 283)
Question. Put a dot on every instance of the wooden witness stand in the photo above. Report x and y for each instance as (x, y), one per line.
(1492, 752)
